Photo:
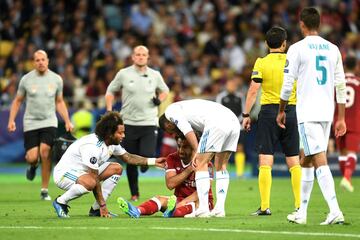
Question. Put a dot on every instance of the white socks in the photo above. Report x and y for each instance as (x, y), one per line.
(202, 179)
(157, 201)
(107, 188)
(222, 184)
(307, 182)
(74, 191)
(326, 183)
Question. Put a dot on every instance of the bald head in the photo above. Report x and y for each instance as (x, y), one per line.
(140, 56)
(40, 52)
(140, 48)
(41, 61)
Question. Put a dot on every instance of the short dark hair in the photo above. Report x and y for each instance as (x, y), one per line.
(350, 62)
(275, 37)
(108, 125)
(162, 121)
(310, 17)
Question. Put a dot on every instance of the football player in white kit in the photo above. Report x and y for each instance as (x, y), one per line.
(317, 65)
(220, 133)
(85, 164)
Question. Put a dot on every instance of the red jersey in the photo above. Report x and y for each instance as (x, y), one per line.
(186, 188)
(352, 111)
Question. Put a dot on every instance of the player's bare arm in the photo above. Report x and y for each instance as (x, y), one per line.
(173, 180)
(139, 160)
(281, 117)
(340, 125)
(98, 193)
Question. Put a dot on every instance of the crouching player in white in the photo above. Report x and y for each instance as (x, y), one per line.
(220, 133)
(84, 165)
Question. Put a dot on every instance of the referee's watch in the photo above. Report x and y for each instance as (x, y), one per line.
(245, 115)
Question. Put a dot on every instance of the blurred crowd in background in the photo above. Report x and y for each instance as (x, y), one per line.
(197, 45)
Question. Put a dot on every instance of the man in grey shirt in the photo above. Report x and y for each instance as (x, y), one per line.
(142, 90)
(42, 90)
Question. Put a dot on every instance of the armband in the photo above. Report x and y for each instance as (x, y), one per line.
(103, 205)
(151, 161)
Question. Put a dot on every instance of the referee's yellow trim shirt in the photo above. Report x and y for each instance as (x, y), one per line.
(269, 71)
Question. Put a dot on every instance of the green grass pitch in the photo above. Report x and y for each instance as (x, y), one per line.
(24, 216)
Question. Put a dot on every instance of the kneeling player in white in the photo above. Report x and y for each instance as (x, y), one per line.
(220, 133)
(84, 165)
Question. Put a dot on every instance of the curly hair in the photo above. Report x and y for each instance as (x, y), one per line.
(108, 125)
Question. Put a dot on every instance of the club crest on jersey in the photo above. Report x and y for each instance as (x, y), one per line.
(93, 160)
(286, 63)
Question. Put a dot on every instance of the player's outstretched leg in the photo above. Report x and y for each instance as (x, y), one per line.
(62, 210)
(128, 208)
(171, 205)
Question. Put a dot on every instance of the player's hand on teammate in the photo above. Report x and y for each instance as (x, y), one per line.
(281, 119)
(11, 126)
(246, 123)
(160, 162)
(340, 128)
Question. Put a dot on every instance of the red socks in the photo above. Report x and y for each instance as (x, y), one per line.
(347, 165)
(342, 163)
(148, 208)
(183, 210)
(350, 166)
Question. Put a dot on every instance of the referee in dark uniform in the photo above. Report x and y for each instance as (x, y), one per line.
(142, 90)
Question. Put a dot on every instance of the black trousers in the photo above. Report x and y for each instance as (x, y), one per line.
(140, 140)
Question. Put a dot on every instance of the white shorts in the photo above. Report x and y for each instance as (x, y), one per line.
(220, 137)
(65, 178)
(314, 136)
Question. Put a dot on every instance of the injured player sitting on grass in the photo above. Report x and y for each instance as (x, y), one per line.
(180, 175)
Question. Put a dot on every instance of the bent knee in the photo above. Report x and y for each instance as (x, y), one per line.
(117, 168)
(32, 157)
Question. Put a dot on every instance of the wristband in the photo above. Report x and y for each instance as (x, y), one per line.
(245, 115)
(151, 161)
(103, 205)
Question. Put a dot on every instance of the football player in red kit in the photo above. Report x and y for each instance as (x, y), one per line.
(349, 144)
(180, 176)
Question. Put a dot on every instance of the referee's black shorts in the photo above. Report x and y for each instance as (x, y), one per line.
(33, 138)
(269, 134)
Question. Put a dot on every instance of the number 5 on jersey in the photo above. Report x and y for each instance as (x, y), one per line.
(321, 69)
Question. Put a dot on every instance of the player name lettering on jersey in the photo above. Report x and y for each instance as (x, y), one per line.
(315, 46)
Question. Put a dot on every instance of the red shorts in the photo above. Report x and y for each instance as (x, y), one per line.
(350, 141)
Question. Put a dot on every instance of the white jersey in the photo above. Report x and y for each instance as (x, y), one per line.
(88, 152)
(317, 65)
(196, 114)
